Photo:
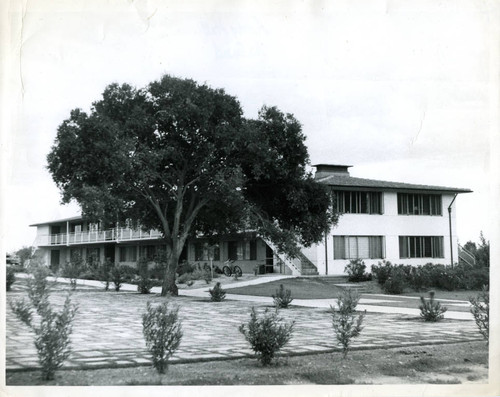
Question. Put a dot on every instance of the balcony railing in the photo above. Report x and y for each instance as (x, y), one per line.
(98, 236)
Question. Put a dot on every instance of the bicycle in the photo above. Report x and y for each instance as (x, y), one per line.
(230, 268)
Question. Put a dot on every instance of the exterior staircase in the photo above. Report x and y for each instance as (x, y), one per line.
(306, 266)
(300, 266)
(465, 256)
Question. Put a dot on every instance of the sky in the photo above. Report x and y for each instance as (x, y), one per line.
(401, 90)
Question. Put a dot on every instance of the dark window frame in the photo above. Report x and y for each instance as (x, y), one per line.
(413, 247)
(341, 247)
(427, 204)
(358, 202)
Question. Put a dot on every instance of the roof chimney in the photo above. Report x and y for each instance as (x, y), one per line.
(324, 170)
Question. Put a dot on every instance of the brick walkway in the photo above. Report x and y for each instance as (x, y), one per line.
(107, 330)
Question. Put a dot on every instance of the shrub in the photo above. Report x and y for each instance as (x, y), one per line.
(207, 275)
(477, 278)
(217, 294)
(52, 330)
(38, 285)
(356, 270)
(117, 275)
(345, 324)
(73, 269)
(283, 297)
(418, 278)
(184, 278)
(185, 267)
(431, 310)
(104, 273)
(480, 309)
(10, 278)
(162, 331)
(267, 335)
(395, 284)
(382, 271)
(145, 283)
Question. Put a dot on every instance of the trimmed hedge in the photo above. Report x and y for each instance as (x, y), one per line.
(458, 277)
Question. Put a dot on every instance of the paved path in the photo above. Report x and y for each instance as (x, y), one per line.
(108, 330)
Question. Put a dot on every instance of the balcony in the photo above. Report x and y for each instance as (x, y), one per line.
(99, 236)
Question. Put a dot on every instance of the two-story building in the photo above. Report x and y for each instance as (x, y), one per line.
(400, 222)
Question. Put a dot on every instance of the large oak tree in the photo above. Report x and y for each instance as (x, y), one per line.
(179, 157)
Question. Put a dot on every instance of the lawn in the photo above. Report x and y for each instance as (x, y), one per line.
(434, 364)
(325, 288)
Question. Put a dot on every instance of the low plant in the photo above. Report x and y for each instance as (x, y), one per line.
(73, 269)
(431, 310)
(382, 271)
(217, 294)
(184, 278)
(345, 323)
(480, 309)
(10, 278)
(282, 298)
(207, 275)
(356, 271)
(52, 329)
(145, 283)
(185, 267)
(38, 285)
(267, 334)
(117, 276)
(104, 272)
(162, 332)
(396, 282)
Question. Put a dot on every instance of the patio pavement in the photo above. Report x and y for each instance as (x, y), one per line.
(107, 330)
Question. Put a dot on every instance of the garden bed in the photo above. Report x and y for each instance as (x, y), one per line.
(450, 364)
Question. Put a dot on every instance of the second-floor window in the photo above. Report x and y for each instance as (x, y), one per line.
(358, 202)
(419, 204)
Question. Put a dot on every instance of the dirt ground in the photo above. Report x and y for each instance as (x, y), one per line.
(458, 363)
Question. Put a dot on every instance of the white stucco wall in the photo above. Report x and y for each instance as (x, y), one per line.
(391, 226)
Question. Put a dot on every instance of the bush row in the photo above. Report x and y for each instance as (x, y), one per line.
(393, 278)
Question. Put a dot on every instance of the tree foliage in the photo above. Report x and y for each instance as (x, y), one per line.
(179, 157)
(481, 251)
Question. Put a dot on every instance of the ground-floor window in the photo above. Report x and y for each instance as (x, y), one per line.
(358, 247)
(128, 254)
(93, 255)
(75, 253)
(148, 252)
(421, 247)
(242, 250)
(204, 251)
(55, 257)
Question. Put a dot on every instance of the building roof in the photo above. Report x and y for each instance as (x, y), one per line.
(347, 181)
(73, 218)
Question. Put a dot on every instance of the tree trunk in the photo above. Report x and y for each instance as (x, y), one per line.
(169, 285)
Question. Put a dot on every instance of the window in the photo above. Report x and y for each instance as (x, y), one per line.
(55, 256)
(148, 252)
(419, 204)
(76, 253)
(357, 202)
(242, 250)
(358, 247)
(128, 254)
(93, 255)
(421, 247)
(204, 252)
